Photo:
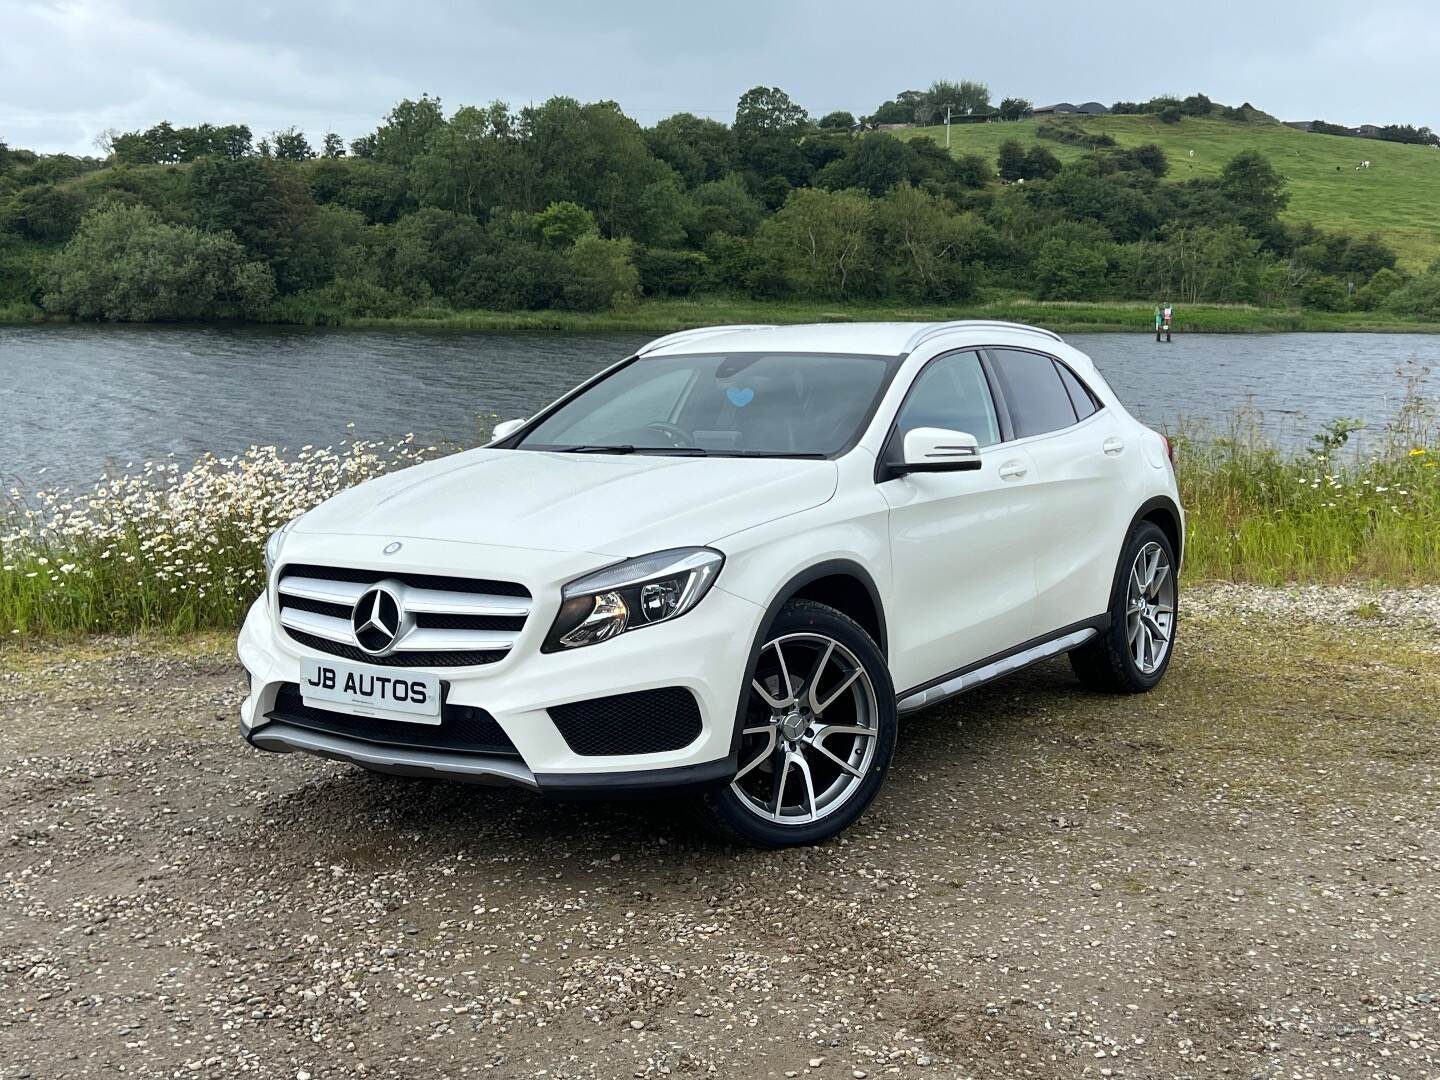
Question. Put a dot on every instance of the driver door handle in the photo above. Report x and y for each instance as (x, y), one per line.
(1013, 470)
(1113, 445)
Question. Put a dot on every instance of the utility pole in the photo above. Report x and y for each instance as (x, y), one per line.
(947, 125)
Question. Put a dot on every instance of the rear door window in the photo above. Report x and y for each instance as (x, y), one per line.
(1034, 394)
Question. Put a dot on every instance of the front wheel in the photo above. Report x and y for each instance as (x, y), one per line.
(1133, 654)
(817, 732)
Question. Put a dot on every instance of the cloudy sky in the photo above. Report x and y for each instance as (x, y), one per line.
(71, 68)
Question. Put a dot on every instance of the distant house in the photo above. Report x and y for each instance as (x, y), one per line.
(1064, 108)
(1369, 131)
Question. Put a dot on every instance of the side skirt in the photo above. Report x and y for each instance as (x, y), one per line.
(1006, 663)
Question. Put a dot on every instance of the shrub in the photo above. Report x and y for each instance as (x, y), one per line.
(1377, 290)
(1325, 293)
(599, 274)
(125, 264)
(665, 272)
(1420, 297)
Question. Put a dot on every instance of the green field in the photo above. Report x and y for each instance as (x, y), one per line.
(1398, 197)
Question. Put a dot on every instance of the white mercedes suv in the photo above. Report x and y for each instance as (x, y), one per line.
(728, 565)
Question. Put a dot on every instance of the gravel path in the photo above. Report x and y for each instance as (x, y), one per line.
(1235, 875)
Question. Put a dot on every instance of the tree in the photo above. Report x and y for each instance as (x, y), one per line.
(407, 127)
(1040, 164)
(876, 163)
(1070, 265)
(840, 120)
(1254, 191)
(965, 98)
(1011, 161)
(291, 145)
(333, 146)
(1015, 108)
(125, 264)
(600, 274)
(473, 163)
(819, 242)
(1197, 105)
(768, 110)
(898, 110)
(262, 203)
(561, 224)
(929, 253)
(44, 213)
(700, 150)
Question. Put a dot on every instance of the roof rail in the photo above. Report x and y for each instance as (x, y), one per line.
(698, 332)
(927, 332)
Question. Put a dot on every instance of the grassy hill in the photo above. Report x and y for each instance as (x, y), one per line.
(1398, 197)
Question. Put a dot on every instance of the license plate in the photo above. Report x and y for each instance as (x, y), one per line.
(367, 691)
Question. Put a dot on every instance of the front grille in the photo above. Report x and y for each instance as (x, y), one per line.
(441, 621)
(396, 659)
(462, 728)
(645, 722)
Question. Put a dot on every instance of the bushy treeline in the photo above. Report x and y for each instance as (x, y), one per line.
(575, 205)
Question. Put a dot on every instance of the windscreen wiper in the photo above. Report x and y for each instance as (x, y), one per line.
(664, 451)
(769, 454)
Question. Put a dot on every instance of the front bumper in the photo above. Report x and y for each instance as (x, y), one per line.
(704, 652)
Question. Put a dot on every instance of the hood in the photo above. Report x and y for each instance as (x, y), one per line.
(606, 504)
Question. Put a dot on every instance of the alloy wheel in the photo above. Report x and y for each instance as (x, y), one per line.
(1150, 608)
(811, 728)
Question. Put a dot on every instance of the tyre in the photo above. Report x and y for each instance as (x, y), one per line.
(1134, 653)
(817, 731)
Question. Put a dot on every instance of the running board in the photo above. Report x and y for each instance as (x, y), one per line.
(958, 684)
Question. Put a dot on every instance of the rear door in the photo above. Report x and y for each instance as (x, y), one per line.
(961, 541)
(1081, 458)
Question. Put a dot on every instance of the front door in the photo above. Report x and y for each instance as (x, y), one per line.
(961, 542)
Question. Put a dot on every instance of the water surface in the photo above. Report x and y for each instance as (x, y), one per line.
(76, 400)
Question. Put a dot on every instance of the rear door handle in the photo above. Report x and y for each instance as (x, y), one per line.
(1112, 445)
(1012, 470)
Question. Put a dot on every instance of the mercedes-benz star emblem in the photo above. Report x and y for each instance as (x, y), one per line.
(376, 621)
(392, 547)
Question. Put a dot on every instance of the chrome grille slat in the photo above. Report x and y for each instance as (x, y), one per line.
(324, 626)
(330, 592)
(435, 602)
(430, 639)
(490, 614)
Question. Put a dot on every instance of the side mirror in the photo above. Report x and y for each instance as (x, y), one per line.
(929, 449)
(506, 428)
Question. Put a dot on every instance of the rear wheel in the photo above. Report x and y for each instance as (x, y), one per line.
(817, 732)
(1134, 653)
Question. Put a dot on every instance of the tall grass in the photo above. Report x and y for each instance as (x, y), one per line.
(1339, 511)
(166, 549)
(179, 550)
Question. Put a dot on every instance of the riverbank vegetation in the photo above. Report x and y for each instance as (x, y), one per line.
(573, 210)
(177, 549)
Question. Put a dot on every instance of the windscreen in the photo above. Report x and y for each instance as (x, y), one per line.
(772, 404)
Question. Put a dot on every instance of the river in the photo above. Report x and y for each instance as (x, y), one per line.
(77, 400)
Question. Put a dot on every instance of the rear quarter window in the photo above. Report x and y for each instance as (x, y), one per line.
(1035, 396)
(1080, 394)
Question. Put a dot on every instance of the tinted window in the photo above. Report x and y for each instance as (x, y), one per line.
(1080, 395)
(951, 393)
(1034, 395)
(736, 403)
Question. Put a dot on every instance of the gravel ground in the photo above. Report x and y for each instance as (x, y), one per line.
(1235, 875)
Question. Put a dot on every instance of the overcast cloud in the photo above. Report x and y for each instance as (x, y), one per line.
(69, 70)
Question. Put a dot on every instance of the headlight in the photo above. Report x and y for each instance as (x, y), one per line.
(631, 594)
(272, 545)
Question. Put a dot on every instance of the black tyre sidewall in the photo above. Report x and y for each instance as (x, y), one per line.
(1118, 634)
(723, 806)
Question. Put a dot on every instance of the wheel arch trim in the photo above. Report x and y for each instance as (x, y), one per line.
(797, 581)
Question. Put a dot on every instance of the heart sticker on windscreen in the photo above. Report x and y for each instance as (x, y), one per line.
(740, 398)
